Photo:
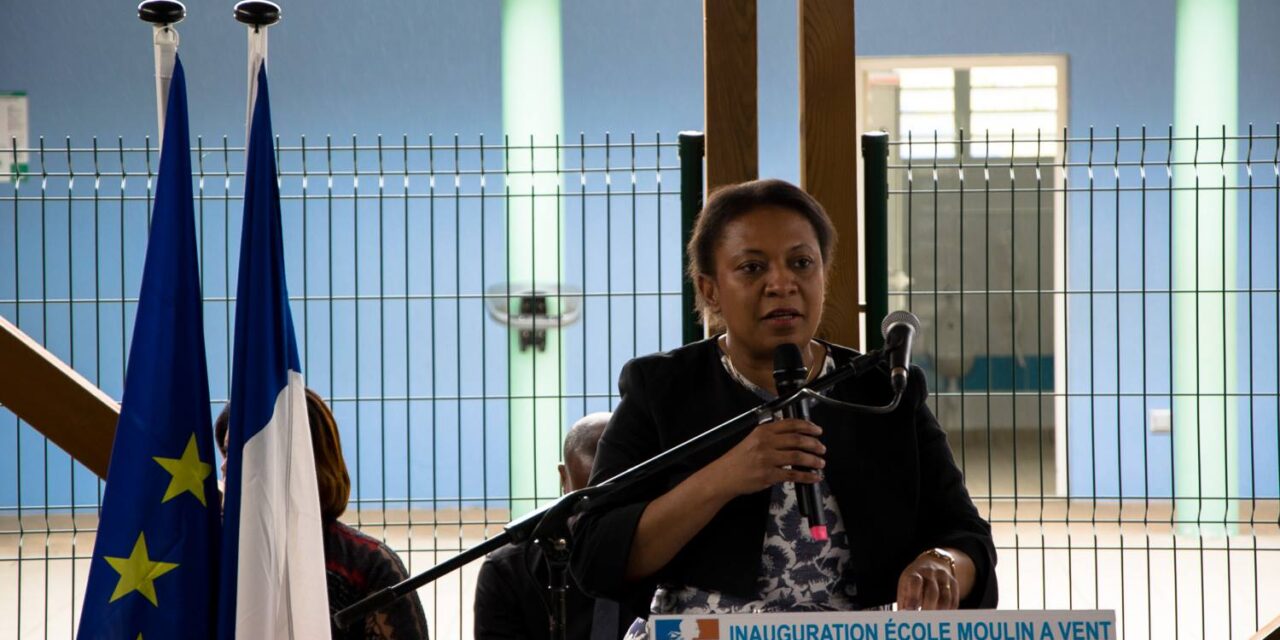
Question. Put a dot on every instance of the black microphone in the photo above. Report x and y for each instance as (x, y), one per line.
(789, 374)
(899, 329)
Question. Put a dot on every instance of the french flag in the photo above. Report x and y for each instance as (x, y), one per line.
(273, 572)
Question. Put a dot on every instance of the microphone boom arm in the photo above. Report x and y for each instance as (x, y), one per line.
(840, 404)
(551, 521)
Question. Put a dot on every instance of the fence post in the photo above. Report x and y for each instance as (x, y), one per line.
(875, 193)
(692, 150)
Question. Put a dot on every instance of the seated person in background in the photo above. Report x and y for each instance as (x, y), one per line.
(722, 532)
(355, 564)
(509, 599)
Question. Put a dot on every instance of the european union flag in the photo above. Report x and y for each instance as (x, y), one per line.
(273, 582)
(156, 556)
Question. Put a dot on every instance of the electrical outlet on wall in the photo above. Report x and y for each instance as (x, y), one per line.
(1161, 420)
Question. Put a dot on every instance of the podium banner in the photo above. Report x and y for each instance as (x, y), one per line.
(987, 624)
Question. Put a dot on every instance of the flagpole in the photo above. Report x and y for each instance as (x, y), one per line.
(257, 16)
(272, 578)
(162, 15)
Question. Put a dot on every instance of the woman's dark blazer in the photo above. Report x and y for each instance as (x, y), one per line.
(893, 476)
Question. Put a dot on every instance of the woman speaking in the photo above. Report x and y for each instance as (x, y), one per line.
(723, 532)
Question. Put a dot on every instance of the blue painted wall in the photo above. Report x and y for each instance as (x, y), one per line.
(415, 68)
(393, 68)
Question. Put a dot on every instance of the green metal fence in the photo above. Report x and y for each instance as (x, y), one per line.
(1062, 295)
(1100, 337)
(399, 258)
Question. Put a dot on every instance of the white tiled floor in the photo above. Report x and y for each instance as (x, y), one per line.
(1162, 585)
(1211, 583)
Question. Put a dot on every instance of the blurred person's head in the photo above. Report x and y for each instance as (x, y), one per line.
(332, 479)
(759, 255)
(580, 450)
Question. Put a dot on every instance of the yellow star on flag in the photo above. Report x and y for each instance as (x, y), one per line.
(138, 572)
(188, 472)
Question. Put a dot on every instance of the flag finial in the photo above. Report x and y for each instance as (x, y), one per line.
(257, 13)
(162, 13)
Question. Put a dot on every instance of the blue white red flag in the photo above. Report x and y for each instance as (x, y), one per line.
(272, 573)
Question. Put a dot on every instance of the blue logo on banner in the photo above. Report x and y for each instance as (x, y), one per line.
(667, 630)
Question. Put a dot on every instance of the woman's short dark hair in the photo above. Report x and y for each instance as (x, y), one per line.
(332, 479)
(728, 203)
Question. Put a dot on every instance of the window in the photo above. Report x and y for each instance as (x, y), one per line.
(1013, 103)
(1005, 109)
(926, 110)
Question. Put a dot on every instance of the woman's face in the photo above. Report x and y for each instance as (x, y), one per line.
(769, 280)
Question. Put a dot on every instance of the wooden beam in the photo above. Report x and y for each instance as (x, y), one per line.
(729, 59)
(829, 150)
(60, 403)
(1270, 632)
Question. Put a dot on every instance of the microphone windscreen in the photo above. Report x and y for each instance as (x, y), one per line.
(898, 317)
(788, 363)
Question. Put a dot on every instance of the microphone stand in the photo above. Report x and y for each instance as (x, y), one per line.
(549, 526)
(556, 552)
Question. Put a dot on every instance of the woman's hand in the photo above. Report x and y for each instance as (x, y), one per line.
(931, 582)
(670, 521)
(761, 459)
